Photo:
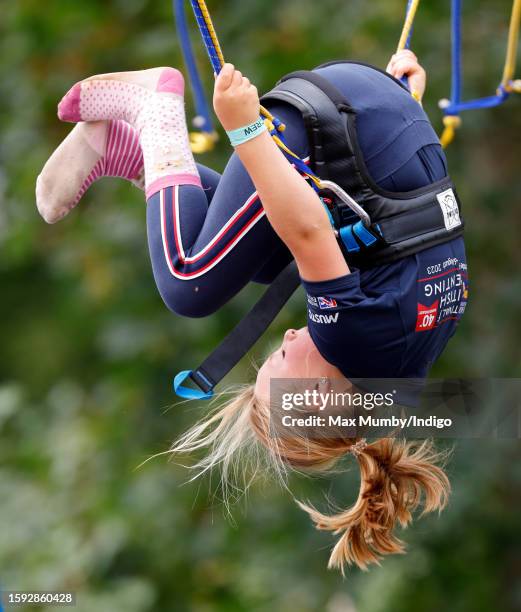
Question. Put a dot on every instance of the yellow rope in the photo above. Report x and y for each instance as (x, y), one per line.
(407, 26)
(268, 117)
(215, 40)
(213, 35)
(202, 142)
(416, 95)
(513, 39)
(282, 146)
(451, 123)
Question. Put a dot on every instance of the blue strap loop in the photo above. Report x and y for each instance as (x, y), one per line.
(346, 234)
(186, 392)
(350, 233)
(364, 234)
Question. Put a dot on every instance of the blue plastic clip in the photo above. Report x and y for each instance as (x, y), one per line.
(365, 236)
(349, 240)
(186, 392)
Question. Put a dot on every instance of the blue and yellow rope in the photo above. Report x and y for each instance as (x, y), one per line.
(453, 107)
(507, 81)
(203, 140)
(215, 53)
(405, 38)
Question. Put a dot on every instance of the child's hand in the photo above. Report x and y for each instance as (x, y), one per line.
(235, 99)
(405, 63)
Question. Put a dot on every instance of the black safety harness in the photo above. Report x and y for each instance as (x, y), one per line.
(373, 226)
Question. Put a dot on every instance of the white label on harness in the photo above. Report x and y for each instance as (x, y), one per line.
(449, 208)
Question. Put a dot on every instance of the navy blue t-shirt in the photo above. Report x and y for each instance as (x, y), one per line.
(393, 320)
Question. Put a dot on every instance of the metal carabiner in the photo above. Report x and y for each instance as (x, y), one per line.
(347, 199)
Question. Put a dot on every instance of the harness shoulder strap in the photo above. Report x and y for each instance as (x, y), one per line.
(324, 111)
(401, 223)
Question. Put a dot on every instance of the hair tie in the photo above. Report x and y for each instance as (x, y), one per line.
(358, 448)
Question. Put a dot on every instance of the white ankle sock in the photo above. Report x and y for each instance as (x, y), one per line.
(90, 151)
(152, 101)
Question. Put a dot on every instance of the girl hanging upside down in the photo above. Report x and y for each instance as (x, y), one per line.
(210, 235)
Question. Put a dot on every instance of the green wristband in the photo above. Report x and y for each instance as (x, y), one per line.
(243, 134)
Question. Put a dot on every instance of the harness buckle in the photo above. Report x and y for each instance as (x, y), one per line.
(347, 200)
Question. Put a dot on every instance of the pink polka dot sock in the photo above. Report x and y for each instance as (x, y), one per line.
(152, 101)
(90, 151)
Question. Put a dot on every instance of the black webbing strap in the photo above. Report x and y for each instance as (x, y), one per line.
(241, 339)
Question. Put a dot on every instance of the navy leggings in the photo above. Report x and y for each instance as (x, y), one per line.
(207, 244)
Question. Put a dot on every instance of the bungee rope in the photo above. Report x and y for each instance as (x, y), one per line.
(211, 42)
(406, 36)
(275, 127)
(205, 138)
(453, 107)
(507, 81)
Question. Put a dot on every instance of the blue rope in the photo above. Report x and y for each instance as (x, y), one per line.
(456, 106)
(208, 42)
(488, 102)
(201, 103)
(456, 53)
(300, 165)
(404, 79)
(408, 43)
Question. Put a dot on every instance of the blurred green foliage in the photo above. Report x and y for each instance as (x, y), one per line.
(88, 349)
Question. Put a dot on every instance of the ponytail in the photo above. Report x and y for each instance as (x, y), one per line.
(397, 477)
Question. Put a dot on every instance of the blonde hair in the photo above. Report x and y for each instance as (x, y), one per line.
(397, 476)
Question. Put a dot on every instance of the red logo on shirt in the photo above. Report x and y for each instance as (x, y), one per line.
(427, 316)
